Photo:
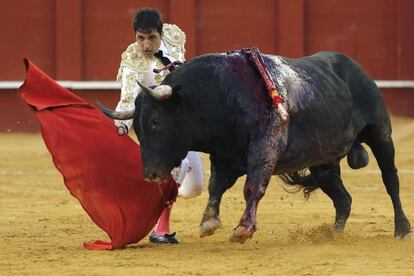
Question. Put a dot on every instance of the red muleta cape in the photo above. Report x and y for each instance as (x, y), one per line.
(103, 170)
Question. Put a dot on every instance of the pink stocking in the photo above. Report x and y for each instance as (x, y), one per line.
(163, 224)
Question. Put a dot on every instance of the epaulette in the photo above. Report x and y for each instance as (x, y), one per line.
(173, 35)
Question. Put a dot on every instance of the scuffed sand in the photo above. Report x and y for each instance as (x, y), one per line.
(42, 227)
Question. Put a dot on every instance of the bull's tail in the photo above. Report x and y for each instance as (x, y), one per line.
(299, 181)
(357, 156)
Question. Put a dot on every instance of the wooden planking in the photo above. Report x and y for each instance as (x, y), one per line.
(364, 30)
(235, 24)
(26, 31)
(83, 40)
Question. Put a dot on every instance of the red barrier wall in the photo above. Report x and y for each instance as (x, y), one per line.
(83, 39)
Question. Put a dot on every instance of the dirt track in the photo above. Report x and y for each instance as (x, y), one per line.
(42, 227)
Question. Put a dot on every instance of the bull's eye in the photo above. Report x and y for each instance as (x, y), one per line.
(155, 123)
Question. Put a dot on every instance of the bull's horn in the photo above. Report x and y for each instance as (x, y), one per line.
(161, 92)
(119, 115)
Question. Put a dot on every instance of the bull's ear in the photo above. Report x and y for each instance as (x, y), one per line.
(176, 96)
(161, 92)
(177, 88)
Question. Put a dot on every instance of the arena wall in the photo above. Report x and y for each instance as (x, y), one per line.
(82, 40)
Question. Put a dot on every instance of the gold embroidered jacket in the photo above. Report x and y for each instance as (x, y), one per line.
(135, 66)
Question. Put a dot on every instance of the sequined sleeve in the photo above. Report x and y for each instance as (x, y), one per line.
(174, 39)
(133, 67)
(129, 91)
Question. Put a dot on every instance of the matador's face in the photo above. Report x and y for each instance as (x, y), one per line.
(149, 42)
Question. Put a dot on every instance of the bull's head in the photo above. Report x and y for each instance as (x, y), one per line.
(157, 124)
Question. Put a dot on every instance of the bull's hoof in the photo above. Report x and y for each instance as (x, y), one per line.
(339, 227)
(208, 227)
(407, 237)
(241, 234)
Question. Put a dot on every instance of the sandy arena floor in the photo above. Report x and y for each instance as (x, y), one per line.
(42, 227)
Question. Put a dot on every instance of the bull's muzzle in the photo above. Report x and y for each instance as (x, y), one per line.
(153, 177)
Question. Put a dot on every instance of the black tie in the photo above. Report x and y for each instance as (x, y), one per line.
(166, 61)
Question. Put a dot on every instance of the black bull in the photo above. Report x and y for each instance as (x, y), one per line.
(219, 105)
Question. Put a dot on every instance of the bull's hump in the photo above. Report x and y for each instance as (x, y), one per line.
(287, 79)
(281, 71)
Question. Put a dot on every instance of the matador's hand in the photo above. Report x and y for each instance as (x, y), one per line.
(122, 129)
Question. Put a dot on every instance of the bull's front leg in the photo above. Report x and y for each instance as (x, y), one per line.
(267, 142)
(222, 178)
